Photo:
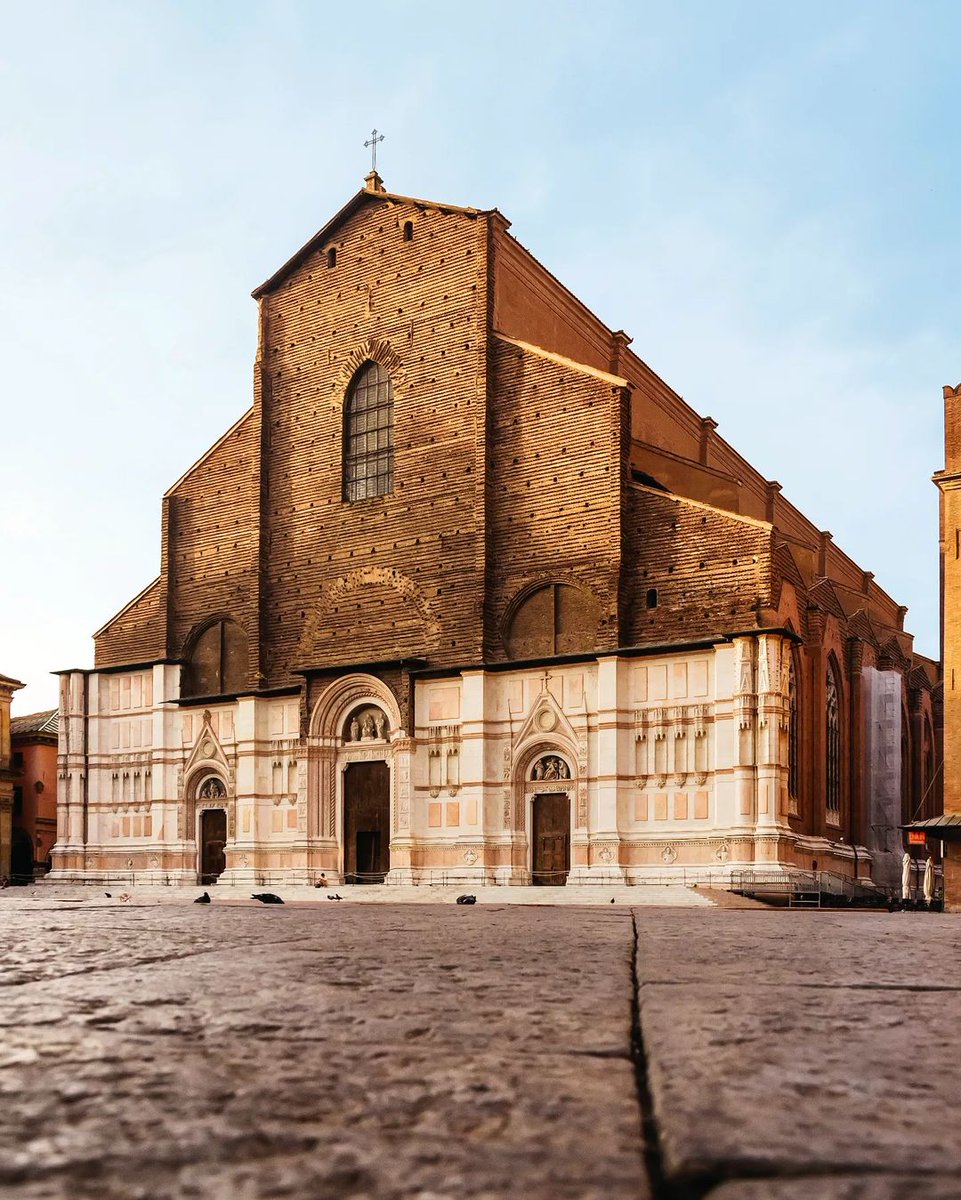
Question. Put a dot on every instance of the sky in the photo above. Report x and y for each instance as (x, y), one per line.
(763, 195)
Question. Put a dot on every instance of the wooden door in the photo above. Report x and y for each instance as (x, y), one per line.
(551, 839)
(366, 822)
(213, 838)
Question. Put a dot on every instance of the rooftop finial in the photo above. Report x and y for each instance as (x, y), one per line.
(373, 180)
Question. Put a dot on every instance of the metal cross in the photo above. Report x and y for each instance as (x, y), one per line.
(372, 142)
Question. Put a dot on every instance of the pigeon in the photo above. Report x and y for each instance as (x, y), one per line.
(266, 898)
(204, 899)
(124, 896)
(334, 896)
(466, 899)
(109, 895)
(612, 899)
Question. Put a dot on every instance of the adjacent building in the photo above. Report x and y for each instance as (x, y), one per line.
(470, 592)
(7, 688)
(33, 743)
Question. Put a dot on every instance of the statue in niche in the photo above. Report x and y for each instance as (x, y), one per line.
(380, 721)
(354, 730)
(370, 730)
(551, 767)
(212, 789)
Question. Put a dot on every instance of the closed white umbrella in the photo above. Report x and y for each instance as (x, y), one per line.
(906, 876)
(929, 879)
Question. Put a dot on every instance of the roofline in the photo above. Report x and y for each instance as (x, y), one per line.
(353, 205)
(206, 454)
(562, 361)
(117, 615)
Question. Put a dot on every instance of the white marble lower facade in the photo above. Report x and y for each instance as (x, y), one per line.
(670, 765)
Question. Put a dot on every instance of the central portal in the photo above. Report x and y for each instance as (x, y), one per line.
(551, 839)
(213, 838)
(366, 822)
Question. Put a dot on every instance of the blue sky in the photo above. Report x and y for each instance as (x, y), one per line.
(764, 196)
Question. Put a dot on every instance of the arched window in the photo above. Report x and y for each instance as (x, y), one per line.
(332, 257)
(369, 434)
(927, 771)
(793, 743)
(833, 746)
(408, 231)
(217, 661)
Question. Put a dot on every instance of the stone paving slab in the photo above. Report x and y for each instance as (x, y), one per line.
(802, 1044)
(669, 895)
(339, 1052)
(842, 1187)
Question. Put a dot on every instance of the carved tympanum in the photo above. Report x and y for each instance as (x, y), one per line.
(212, 789)
(551, 767)
(366, 724)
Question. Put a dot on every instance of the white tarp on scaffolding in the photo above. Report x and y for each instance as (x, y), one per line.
(883, 714)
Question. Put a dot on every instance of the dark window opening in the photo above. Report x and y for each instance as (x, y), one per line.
(833, 764)
(408, 231)
(793, 744)
(332, 257)
(652, 597)
(17, 801)
(369, 435)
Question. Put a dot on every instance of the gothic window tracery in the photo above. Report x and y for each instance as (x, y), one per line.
(369, 434)
(793, 744)
(833, 745)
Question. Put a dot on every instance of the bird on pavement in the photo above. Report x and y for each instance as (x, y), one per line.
(266, 898)
(466, 899)
(334, 896)
(612, 899)
(204, 899)
(109, 895)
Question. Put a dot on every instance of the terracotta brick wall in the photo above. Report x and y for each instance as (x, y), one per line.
(709, 569)
(136, 634)
(212, 542)
(556, 470)
(396, 574)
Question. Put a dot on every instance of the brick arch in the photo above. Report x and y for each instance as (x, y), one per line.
(230, 672)
(579, 625)
(377, 350)
(380, 591)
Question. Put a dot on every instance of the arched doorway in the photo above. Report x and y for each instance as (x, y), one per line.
(550, 839)
(213, 838)
(366, 822)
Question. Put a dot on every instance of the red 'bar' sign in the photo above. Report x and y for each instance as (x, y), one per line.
(917, 837)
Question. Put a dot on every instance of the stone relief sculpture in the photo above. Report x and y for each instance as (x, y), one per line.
(551, 767)
(367, 725)
(212, 789)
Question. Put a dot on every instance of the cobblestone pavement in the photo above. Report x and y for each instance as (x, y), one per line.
(438, 1052)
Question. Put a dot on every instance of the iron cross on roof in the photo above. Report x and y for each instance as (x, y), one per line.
(372, 142)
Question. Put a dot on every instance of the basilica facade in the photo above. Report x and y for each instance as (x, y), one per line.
(469, 593)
